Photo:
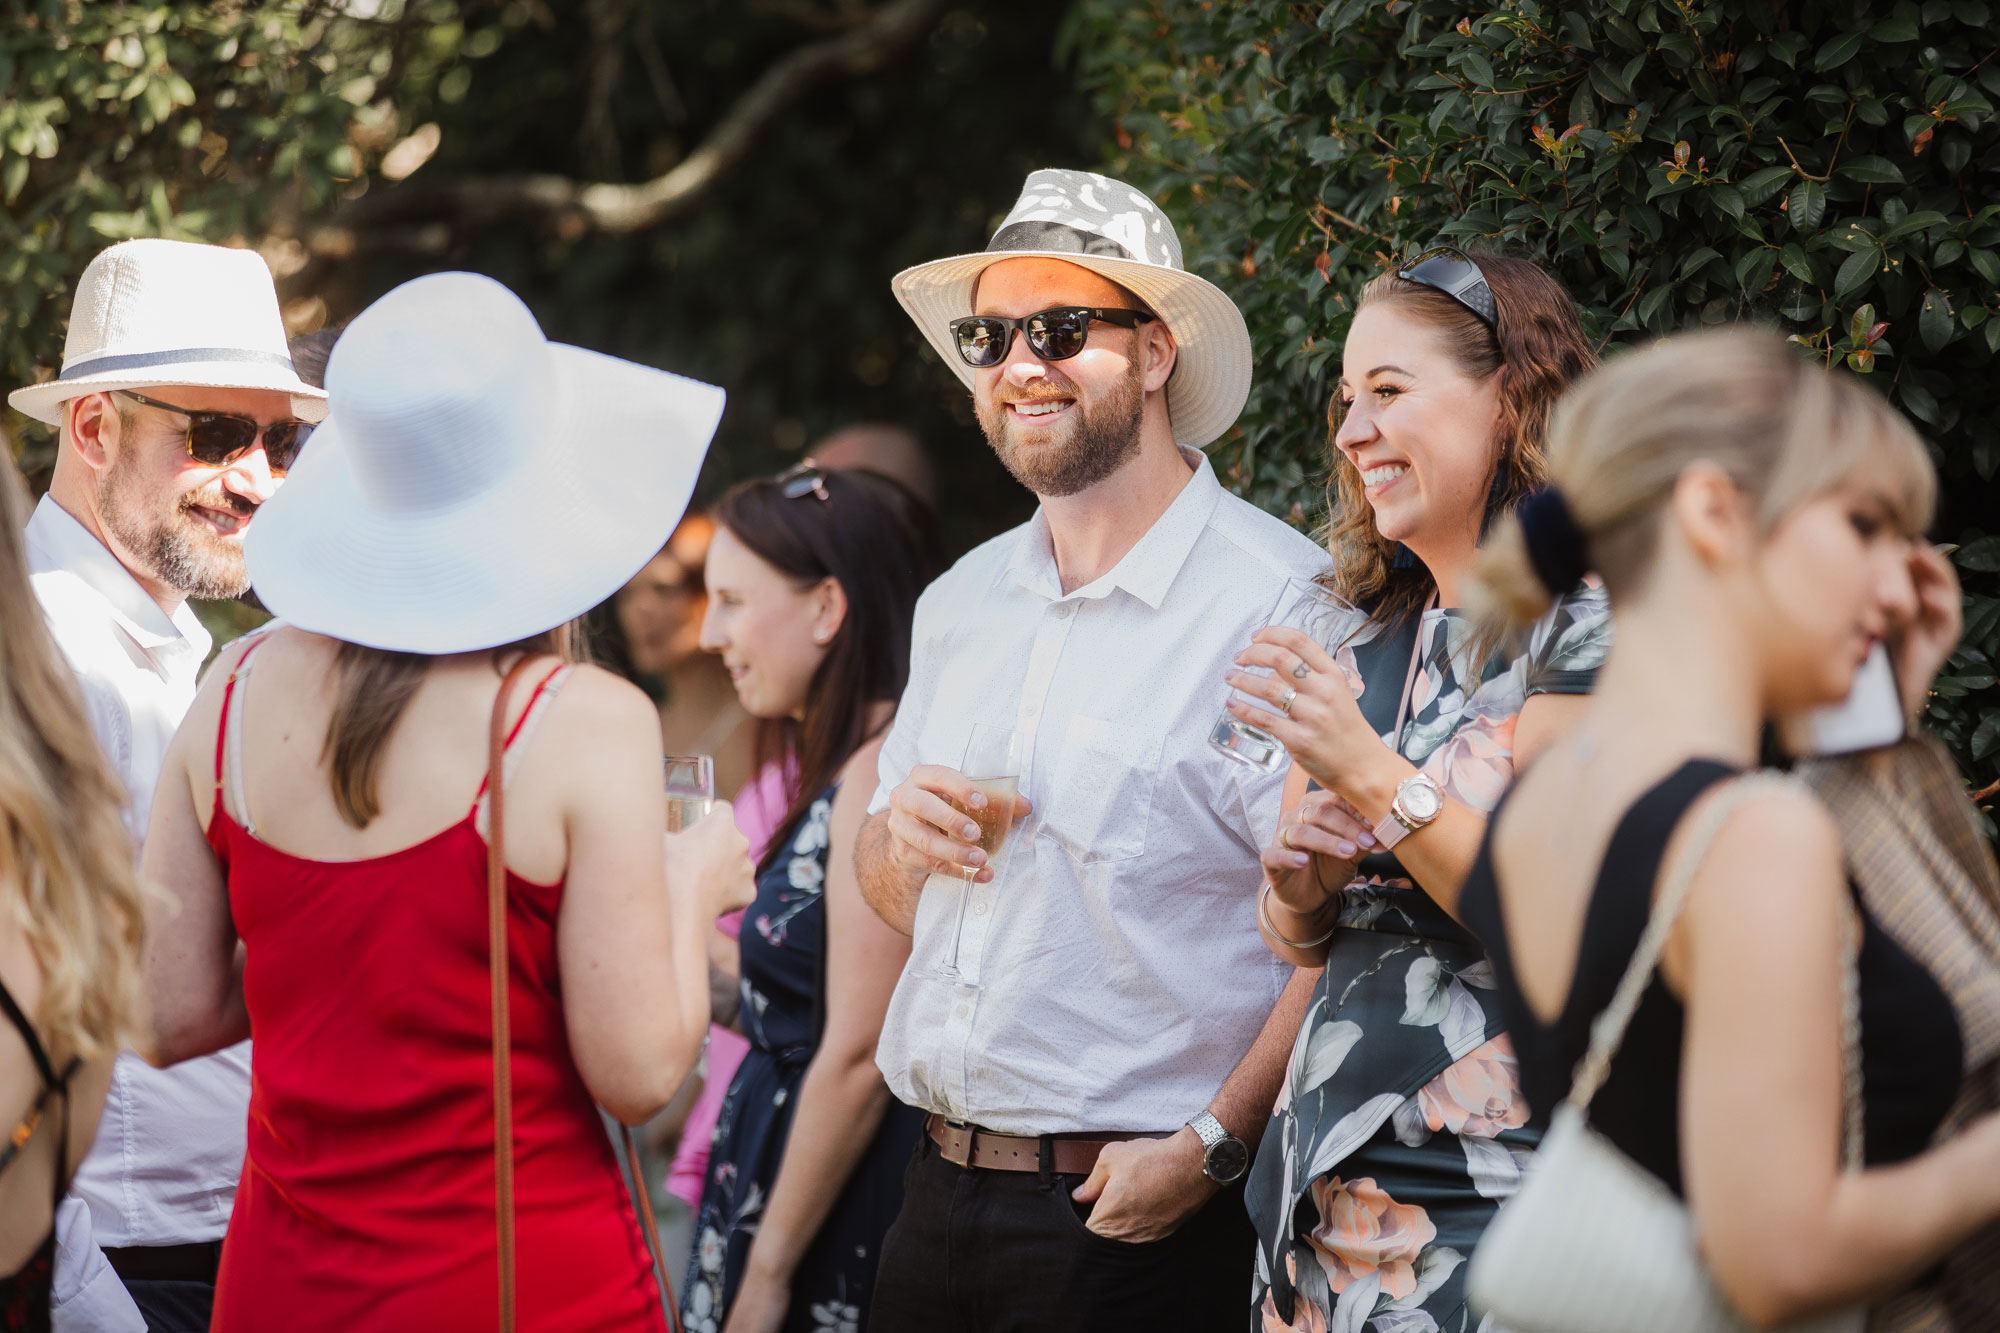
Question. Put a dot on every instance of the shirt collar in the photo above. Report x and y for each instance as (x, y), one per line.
(56, 541)
(1146, 571)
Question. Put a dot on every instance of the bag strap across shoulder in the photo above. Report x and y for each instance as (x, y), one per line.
(1607, 1030)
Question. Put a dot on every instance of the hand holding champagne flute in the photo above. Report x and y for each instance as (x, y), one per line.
(993, 766)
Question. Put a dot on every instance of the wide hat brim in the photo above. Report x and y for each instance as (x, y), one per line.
(1211, 379)
(596, 499)
(44, 401)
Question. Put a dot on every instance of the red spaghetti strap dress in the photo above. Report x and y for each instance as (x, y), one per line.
(367, 1197)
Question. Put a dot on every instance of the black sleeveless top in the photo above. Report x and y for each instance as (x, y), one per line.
(24, 1295)
(1911, 1053)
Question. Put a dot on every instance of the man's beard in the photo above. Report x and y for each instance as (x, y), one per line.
(1095, 443)
(180, 550)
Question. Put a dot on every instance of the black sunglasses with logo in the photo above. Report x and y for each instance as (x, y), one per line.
(1056, 334)
(802, 479)
(1451, 271)
(217, 439)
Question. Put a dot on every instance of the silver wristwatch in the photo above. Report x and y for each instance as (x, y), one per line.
(1224, 1157)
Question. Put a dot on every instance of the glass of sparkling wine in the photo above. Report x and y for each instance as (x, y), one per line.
(993, 763)
(1326, 619)
(690, 789)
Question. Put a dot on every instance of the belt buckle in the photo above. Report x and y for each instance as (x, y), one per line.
(958, 1143)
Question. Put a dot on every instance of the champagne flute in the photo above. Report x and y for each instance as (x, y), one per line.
(993, 764)
(690, 789)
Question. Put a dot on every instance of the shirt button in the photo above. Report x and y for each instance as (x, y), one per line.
(1062, 610)
(979, 909)
(963, 1011)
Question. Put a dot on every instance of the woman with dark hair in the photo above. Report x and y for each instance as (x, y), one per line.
(813, 579)
(1401, 1125)
(445, 964)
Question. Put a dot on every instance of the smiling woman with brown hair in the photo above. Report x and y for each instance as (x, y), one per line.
(1402, 1122)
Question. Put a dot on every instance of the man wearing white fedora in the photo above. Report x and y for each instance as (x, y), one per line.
(1100, 1030)
(177, 412)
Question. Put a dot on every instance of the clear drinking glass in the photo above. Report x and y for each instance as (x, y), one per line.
(993, 763)
(690, 789)
(1326, 619)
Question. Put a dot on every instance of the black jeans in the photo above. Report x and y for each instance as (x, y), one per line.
(1007, 1252)
(173, 1307)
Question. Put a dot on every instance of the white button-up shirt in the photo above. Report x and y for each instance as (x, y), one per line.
(170, 1144)
(1113, 973)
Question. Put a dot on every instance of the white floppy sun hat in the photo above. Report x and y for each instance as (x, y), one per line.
(474, 482)
(151, 312)
(1114, 230)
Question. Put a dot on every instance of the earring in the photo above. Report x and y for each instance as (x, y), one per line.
(820, 637)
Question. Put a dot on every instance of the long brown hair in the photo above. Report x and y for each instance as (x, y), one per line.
(68, 864)
(374, 687)
(1539, 350)
(879, 542)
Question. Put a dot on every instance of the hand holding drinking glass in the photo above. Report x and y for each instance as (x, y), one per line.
(929, 830)
(690, 789)
(1320, 617)
(712, 859)
(1306, 701)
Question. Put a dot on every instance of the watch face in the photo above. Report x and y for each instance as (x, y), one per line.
(1227, 1160)
(1421, 801)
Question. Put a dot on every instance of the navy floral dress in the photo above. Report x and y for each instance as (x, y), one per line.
(1401, 1125)
(783, 1000)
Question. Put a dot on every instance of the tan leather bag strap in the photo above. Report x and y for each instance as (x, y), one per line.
(496, 953)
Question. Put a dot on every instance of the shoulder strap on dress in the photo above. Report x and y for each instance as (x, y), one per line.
(53, 1084)
(222, 737)
(544, 693)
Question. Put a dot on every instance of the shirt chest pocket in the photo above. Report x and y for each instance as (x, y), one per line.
(1101, 799)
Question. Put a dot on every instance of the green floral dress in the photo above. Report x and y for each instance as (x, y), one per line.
(1401, 1125)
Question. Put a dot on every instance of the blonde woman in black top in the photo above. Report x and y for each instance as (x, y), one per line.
(1756, 521)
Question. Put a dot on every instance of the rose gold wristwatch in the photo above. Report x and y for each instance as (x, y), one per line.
(1418, 801)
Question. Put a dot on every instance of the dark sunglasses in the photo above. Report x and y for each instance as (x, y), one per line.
(217, 439)
(1451, 271)
(1053, 335)
(803, 478)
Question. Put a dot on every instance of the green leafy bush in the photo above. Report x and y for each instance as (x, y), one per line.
(1827, 167)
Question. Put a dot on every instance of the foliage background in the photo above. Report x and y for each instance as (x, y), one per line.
(1826, 167)
(270, 124)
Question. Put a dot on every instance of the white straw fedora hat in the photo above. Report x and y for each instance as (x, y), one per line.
(474, 483)
(153, 312)
(1112, 229)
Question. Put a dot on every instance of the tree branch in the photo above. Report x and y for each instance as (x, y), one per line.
(583, 206)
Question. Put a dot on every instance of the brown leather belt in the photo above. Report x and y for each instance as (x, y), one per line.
(194, 1262)
(971, 1146)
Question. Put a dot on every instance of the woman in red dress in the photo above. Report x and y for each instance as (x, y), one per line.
(475, 489)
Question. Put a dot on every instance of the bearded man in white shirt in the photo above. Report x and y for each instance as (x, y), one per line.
(1101, 1040)
(177, 412)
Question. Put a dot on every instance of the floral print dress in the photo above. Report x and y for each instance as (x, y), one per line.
(783, 946)
(1401, 1125)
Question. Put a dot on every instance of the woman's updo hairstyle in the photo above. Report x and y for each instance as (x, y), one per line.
(1783, 428)
(1539, 350)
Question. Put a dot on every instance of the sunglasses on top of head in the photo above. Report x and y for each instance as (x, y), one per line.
(806, 477)
(217, 439)
(1056, 334)
(1452, 271)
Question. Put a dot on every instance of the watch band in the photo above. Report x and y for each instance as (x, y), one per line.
(1208, 1129)
(1397, 825)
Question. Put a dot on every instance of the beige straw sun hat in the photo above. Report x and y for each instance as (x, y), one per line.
(1114, 230)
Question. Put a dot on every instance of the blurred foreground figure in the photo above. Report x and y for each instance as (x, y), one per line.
(332, 814)
(1092, 1032)
(178, 412)
(1787, 1062)
(70, 925)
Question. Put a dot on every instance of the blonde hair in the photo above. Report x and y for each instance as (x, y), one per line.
(1539, 349)
(1784, 429)
(67, 872)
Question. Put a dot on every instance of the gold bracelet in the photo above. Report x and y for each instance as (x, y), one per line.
(1264, 920)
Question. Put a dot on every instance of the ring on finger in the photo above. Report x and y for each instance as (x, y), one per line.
(1285, 704)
